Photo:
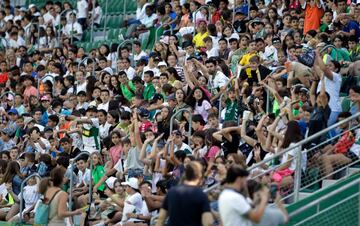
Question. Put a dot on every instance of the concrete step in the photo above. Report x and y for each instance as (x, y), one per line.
(303, 195)
(353, 170)
(326, 182)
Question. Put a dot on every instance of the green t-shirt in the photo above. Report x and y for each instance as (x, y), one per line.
(149, 91)
(97, 173)
(231, 112)
(340, 54)
(128, 94)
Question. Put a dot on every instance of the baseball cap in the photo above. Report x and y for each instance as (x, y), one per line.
(91, 108)
(13, 111)
(162, 63)
(44, 98)
(110, 182)
(143, 112)
(132, 182)
(276, 40)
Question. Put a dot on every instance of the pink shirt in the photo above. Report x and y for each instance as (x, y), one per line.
(31, 91)
(214, 150)
(115, 153)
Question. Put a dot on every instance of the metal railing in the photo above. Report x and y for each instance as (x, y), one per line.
(125, 42)
(316, 204)
(22, 193)
(8, 93)
(41, 79)
(267, 91)
(220, 106)
(298, 170)
(85, 59)
(82, 154)
(190, 121)
(198, 10)
(92, 21)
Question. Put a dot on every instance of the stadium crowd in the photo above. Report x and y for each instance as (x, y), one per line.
(146, 130)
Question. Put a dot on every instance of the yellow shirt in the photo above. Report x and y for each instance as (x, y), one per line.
(198, 39)
(245, 61)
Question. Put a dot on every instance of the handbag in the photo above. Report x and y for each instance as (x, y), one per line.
(42, 212)
(307, 57)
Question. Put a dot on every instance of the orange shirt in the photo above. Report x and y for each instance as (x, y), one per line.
(313, 17)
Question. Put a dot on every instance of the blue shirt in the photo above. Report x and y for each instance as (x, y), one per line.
(352, 25)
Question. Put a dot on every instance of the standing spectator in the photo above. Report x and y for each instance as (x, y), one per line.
(186, 204)
(82, 8)
(313, 14)
(234, 207)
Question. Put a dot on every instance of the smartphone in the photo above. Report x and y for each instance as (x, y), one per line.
(273, 191)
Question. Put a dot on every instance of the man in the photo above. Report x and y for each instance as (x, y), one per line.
(233, 207)
(124, 65)
(218, 78)
(187, 204)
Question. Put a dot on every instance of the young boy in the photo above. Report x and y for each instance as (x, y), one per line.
(29, 166)
(231, 110)
(213, 121)
(69, 150)
(198, 123)
(83, 177)
(81, 99)
(105, 98)
(211, 51)
(245, 60)
(149, 90)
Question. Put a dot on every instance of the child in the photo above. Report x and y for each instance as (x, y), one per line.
(114, 154)
(97, 173)
(231, 110)
(29, 164)
(30, 196)
(149, 90)
(199, 148)
(69, 150)
(245, 60)
(213, 121)
(83, 179)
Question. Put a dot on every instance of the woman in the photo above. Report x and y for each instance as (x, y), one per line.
(48, 41)
(50, 188)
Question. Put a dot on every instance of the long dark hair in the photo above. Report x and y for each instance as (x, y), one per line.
(191, 101)
(12, 169)
(292, 134)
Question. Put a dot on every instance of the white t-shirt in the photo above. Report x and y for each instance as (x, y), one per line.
(90, 140)
(41, 150)
(81, 87)
(104, 130)
(333, 88)
(74, 28)
(133, 203)
(82, 7)
(130, 72)
(103, 106)
(140, 12)
(220, 79)
(214, 52)
(137, 57)
(98, 14)
(233, 208)
(84, 177)
(31, 196)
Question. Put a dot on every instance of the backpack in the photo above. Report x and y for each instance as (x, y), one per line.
(42, 212)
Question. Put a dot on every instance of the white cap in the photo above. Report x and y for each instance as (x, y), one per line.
(110, 182)
(132, 182)
(109, 70)
(32, 5)
(162, 63)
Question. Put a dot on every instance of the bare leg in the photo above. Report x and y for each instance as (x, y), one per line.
(13, 211)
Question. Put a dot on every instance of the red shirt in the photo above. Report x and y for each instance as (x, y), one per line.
(4, 77)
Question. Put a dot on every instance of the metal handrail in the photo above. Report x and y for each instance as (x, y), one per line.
(92, 22)
(22, 193)
(196, 11)
(59, 29)
(85, 59)
(129, 41)
(105, 20)
(305, 141)
(6, 41)
(299, 144)
(42, 78)
(330, 46)
(72, 175)
(220, 107)
(9, 93)
(177, 113)
(326, 196)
